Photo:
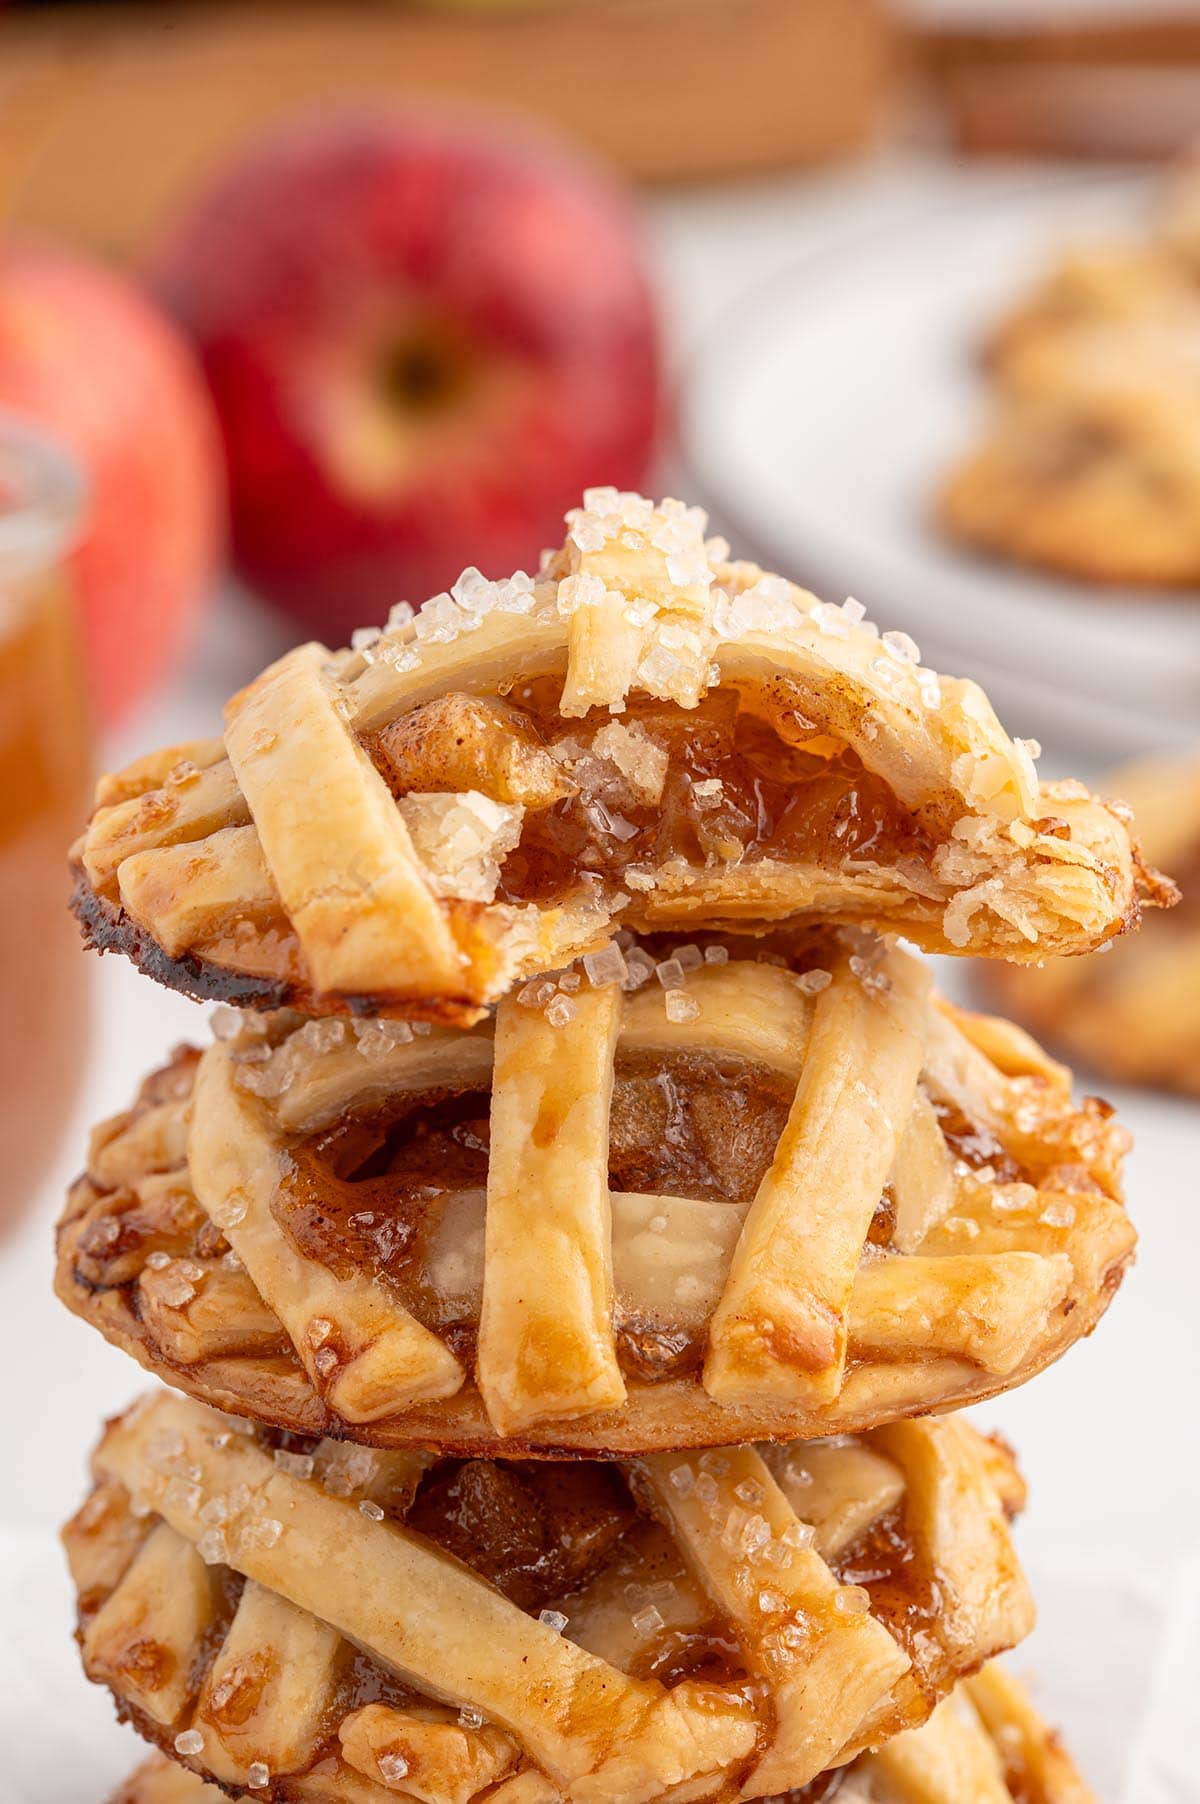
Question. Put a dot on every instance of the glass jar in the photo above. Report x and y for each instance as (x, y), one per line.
(44, 784)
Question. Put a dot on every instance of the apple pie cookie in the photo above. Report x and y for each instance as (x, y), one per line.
(986, 1744)
(670, 1197)
(1092, 464)
(1118, 283)
(1133, 1014)
(645, 734)
(285, 1613)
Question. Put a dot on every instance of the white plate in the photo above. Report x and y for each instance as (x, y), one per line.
(818, 420)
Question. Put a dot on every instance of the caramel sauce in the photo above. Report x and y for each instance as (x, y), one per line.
(803, 797)
(1023, 1787)
(974, 1144)
(904, 1591)
(652, 1354)
(706, 1656)
(44, 778)
(364, 1681)
(883, 1222)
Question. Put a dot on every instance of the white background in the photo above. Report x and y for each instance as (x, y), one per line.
(1107, 1438)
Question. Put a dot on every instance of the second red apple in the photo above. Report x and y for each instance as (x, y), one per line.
(425, 338)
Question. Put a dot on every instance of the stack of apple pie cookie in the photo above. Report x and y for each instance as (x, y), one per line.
(567, 1256)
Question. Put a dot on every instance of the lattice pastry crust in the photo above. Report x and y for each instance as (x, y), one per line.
(725, 1623)
(1092, 463)
(773, 1199)
(1133, 1014)
(645, 734)
(984, 1745)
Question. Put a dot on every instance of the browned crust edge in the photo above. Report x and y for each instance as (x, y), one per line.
(661, 1417)
(108, 928)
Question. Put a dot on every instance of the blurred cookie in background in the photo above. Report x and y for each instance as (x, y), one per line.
(1131, 1012)
(1091, 463)
(1111, 283)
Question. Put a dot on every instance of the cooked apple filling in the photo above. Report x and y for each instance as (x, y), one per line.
(609, 801)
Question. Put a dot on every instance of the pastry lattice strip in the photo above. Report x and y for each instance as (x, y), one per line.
(984, 1745)
(812, 1309)
(419, 826)
(257, 1620)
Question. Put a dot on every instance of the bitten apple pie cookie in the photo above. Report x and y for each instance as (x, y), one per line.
(1133, 1014)
(644, 734)
(284, 1614)
(1092, 465)
(986, 1744)
(670, 1197)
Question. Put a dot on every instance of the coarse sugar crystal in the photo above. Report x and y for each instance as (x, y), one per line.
(670, 974)
(605, 967)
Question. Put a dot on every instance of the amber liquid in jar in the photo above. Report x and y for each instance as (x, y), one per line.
(44, 780)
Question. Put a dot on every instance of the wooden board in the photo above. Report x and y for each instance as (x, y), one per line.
(110, 119)
(1120, 86)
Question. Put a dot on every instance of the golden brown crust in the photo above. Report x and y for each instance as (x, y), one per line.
(730, 1621)
(647, 735)
(297, 1234)
(1124, 282)
(984, 1745)
(1091, 465)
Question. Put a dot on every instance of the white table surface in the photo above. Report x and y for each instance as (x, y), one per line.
(1106, 1438)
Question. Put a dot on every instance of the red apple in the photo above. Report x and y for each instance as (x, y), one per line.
(83, 352)
(425, 338)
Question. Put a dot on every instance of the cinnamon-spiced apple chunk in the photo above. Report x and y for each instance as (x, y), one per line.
(291, 1615)
(670, 1197)
(986, 1744)
(644, 734)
